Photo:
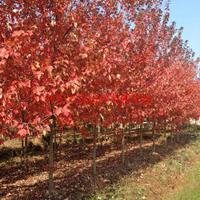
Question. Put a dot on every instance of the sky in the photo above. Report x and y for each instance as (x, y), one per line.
(186, 14)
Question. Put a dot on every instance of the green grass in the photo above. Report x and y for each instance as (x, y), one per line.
(176, 177)
(190, 190)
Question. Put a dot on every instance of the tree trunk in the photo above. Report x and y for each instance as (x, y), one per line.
(22, 150)
(141, 138)
(165, 133)
(94, 156)
(123, 148)
(171, 134)
(99, 136)
(55, 145)
(102, 138)
(60, 139)
(51, 156)
(60, 143)
(26, 152)
(153, 137)
(51, 164)
(74, 136)
(178, 137)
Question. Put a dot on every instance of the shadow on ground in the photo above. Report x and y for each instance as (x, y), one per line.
(73, 177)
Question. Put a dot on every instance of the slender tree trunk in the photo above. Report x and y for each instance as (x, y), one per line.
(60, 139)
(165, 133)
(24, 142)
(55, 140)
(12, 156)
(99, 136)
(74, 136)
(178, 137)
(51, 164)
(55, 145)
(51, 156)
(26, 151)
(153, 137)
(94, 156)
(141, 138)
(123, 148)
(22, 150)
(159, 129)
(171, 134)
(60, 143)
(102, 138)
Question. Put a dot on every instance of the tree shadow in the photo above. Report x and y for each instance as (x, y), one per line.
(70, 152)
(74, 178)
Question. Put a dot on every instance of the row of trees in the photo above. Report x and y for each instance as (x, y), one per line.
(105, 63)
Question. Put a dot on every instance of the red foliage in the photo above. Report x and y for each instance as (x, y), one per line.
(129, 63)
